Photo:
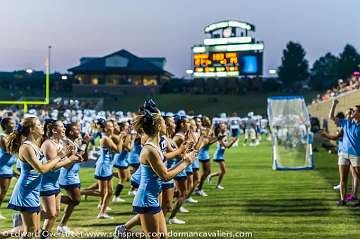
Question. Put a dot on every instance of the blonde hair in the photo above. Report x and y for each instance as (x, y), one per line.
(15, 138)
(149, 124)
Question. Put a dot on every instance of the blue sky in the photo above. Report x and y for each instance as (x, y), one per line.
(166, 28)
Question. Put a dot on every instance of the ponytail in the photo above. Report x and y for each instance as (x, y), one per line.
(14, 140)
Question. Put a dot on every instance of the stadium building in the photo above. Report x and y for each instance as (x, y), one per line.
(119, 73)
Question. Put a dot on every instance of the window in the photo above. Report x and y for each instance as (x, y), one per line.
(150, 80)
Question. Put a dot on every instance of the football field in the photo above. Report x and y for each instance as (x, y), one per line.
(257, 202)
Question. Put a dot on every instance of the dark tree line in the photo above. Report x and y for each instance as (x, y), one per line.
(294, 71)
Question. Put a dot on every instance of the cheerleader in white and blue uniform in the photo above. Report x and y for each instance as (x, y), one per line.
(134, 157)
(222, 144)
(50, 188)
(26, 194)
(121, 160)
(182, 126)
(203, 156)
(153, 171)
(7, 160)
(110, 144)
(70, 178)
(170, 152)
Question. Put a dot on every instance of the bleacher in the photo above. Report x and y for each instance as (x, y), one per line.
(321, 109)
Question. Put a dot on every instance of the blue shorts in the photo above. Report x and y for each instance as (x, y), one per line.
(167, 185)
(24, 209)
(181, 178)
(219, 160)
(134, 165)
(50, 192)
(70, 186)
(6, 175)
(204, 160)
(146, 210)
(107, 178)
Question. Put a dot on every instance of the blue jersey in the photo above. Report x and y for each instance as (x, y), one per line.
(50, 180)
(121, 159)
(26, 193)
(219, 152)
(351, 138)
(164, 144)
(204, 153)
(70, 176)
(6, 164)
(134, 157)
(146, 199)
(104, 165)
(183, 173)
(50, 183)
(135, 178)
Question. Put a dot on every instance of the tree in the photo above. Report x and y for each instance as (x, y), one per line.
(348, 62)
(294, 67)
(324, 72)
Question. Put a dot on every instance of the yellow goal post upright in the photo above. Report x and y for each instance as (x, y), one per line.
(46, 100)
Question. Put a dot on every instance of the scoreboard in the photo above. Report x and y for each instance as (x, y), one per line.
(227, 64)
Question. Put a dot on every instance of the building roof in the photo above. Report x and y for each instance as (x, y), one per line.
(122, 62)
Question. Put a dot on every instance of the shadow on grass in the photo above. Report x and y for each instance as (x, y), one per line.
(287, 207)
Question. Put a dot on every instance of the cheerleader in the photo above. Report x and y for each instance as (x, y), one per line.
(50, 188)
(121, 159)
(222, 144)
(25, 141)
(6, 160)
(181, 136)
(70, 178)
(153, 171)
(203, 155)
(103, 171)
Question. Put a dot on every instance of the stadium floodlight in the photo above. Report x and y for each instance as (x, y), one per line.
(289, 123)
(64, 77)
(46, 100)
(29, 71)
(272, 72)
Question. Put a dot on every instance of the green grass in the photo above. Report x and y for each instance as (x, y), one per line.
(270, 204)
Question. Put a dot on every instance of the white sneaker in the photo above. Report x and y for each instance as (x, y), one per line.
(132, 193)
(209, 179)
(16, 219)
(120, 231)
(201, 193)
(191, 200)
(2, 217)
(104, 216)
(337, 187)
(118, 199)
(183, 210)
(64, 230)
(175, 221)
(219, 187)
